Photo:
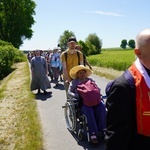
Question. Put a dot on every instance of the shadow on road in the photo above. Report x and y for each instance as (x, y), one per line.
(59, 86)
(42, 96)
(86, 145)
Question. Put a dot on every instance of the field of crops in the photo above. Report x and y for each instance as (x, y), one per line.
(117, 59)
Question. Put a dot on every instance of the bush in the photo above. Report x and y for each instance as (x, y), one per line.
(8, 55)
(20, 56)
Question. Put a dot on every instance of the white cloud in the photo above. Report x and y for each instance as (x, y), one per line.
(104, 13)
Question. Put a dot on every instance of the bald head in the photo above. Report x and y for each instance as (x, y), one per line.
(142, 49)
(143, 38)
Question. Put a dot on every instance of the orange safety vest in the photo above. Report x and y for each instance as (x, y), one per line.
(142, 102)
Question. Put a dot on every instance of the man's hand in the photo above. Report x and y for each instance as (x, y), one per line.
(67, 82)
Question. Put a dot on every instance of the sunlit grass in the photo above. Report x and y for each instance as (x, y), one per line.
(117, 59)
(20, 127)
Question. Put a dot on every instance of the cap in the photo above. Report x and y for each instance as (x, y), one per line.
(72, 39)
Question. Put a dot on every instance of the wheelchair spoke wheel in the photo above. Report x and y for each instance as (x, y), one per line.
(80, 134)
(70, 116)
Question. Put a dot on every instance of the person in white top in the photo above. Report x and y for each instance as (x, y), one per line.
(55, 64)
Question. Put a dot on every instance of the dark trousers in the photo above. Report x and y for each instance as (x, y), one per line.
(96, 117)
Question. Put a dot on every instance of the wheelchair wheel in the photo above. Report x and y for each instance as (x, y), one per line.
(70, 116)
(80, 134)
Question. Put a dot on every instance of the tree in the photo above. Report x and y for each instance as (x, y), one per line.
(85, 48)
(131, 43)
(16, 20)
(91, 47)
(123, 44)
(94, 40)
(64, 38)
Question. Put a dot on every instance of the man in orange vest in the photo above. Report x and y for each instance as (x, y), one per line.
(128, 116)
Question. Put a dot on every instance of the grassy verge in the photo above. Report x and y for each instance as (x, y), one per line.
(20, 127)
(108, 73)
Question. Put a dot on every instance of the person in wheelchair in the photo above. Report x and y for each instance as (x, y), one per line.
(94, 111)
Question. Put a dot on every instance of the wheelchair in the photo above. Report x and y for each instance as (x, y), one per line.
(75, 121)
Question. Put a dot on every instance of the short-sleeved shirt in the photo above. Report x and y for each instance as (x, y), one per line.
(55, 60)
(72, 60)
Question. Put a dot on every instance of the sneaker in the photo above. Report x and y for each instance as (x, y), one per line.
(39, 91)
(56, 84)
(45, 92)
(94, 139)
(61, 79)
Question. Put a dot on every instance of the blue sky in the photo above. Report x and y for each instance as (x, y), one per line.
(111, 20)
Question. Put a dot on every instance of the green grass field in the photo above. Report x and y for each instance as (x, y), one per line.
(118, 59)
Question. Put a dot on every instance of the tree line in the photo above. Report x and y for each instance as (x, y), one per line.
(17, 18)
(15, 26)
(92, 44)
(130, 43)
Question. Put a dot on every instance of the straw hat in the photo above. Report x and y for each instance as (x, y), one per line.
(74, 70)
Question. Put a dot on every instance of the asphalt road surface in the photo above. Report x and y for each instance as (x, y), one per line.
(56, 134)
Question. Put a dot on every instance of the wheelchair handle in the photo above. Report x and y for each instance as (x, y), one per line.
(72, 99)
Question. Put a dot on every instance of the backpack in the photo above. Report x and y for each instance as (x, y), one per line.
(127, 74)
(89, 93)
(65, 53)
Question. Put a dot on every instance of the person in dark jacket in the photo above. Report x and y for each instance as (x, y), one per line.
(128, 108)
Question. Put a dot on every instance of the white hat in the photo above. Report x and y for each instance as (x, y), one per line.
(73, 72)
(55, 48)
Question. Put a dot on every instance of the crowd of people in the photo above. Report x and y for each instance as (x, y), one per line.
(52, 67)
(127, 120)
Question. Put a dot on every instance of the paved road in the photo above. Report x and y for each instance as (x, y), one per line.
(56, 135)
